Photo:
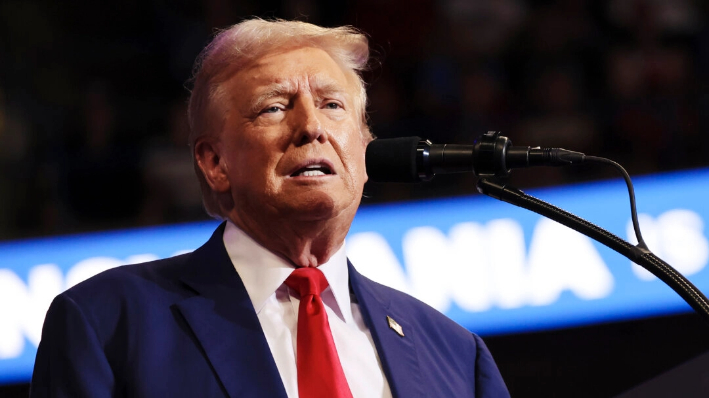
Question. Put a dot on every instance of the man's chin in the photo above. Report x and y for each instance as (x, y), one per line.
(313, 209)
(313, 206)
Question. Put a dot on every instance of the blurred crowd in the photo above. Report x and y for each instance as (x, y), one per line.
(93, 94)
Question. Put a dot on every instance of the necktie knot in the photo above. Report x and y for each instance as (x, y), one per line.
(307, 281)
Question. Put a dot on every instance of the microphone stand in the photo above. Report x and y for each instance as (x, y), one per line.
(643, 257)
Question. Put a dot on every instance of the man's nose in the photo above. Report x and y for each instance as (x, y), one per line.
(306, 124)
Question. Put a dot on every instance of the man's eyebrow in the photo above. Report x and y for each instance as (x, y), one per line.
(325, 86)
(321, 87)
(272, 91)
(329, 89)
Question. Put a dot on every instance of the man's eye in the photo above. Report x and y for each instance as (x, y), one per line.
(332, 105)
(271, 109)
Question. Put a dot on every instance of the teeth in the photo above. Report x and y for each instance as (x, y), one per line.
(312, 173)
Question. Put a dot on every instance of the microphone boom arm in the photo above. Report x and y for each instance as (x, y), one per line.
(643, 257)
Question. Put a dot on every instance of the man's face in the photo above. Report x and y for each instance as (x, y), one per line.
(293, 141)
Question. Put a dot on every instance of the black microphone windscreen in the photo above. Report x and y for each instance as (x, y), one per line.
(392, 160)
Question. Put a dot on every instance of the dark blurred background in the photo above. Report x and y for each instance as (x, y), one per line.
(93, 122)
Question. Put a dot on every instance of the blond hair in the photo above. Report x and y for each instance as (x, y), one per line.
(237, 46)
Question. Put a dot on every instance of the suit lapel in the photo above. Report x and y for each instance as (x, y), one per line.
(396, 353)
(225, 324)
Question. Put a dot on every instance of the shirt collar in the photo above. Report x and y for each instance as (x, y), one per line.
(263, 272)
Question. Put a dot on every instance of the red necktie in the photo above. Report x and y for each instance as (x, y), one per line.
(320, 373)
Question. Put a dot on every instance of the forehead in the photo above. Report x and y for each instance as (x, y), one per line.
(297, 69)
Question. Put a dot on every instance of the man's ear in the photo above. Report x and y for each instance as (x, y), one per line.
(212, 165)
(366, 139)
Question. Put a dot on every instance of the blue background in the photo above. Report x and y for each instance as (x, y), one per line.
(605, 204)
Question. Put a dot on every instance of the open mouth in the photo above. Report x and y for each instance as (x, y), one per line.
(313, 170)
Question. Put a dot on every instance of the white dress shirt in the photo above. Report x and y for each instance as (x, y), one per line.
(276, 305)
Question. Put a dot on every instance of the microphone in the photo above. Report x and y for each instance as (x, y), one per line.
(411, 159)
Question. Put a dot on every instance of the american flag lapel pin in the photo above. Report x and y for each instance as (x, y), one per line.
(393, 325)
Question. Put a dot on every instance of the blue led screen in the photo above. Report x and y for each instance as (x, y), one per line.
(490, 266)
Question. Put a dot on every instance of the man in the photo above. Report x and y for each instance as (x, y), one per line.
(278, 133)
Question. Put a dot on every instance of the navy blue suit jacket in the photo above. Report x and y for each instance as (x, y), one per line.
(185, 327)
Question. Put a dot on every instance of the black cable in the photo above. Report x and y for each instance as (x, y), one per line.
(641, 256)
(631, 193)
